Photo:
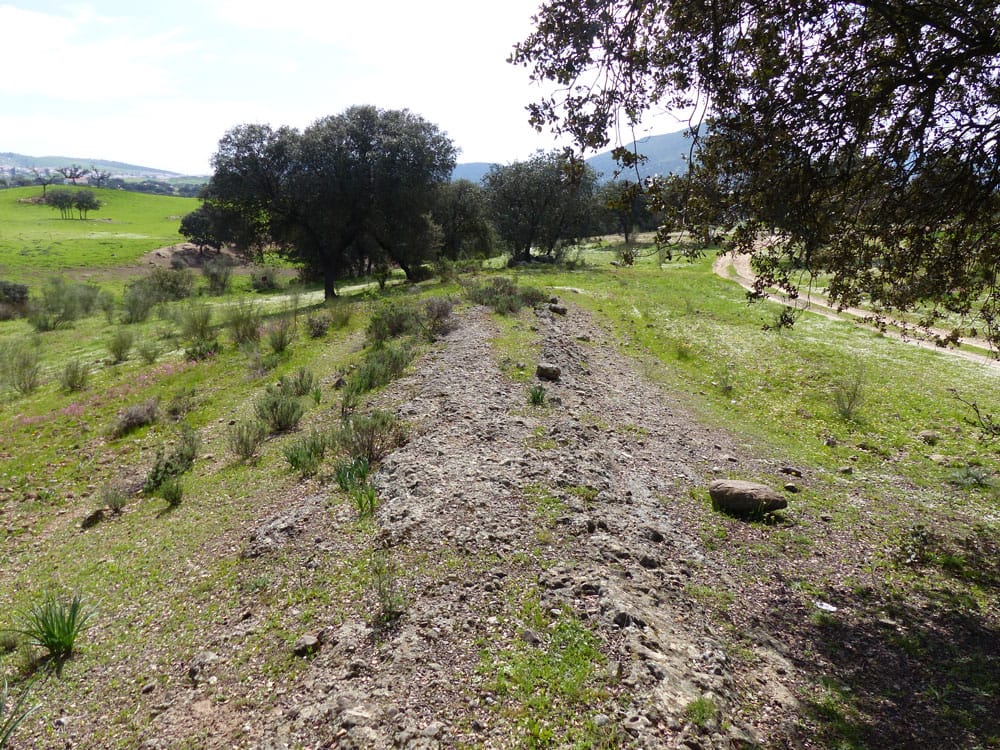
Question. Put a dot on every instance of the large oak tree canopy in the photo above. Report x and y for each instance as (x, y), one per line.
(856, 137)
(348, 185)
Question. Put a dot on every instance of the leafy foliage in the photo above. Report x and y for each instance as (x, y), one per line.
(54, 624)
(279, 409)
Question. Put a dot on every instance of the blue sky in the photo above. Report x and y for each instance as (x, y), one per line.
(157, 82)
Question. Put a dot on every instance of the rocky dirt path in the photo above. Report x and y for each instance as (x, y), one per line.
(616, 543)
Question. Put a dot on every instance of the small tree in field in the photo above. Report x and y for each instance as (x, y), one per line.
(85, 201)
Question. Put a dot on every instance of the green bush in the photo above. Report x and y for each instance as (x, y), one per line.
(136, 304)
(279, 409)
(149, 351)
(243, 321)
(74, 376)
(106, 304)
(114, 498)
(340, 315)
(120, 345)
(245, 438)
(299, 384)
(178, 461)
(503, 295)
(264, 279)
(392, 320)
(55, 624)
(438, 315)
(171, 490)
(60, 303)
(365, 501)
(21, 365)
(379, 367)
(306, 454)
(280, 334)
(218, 272)
(537, 395)
(369, 436)
(168, 284)
(136, 416)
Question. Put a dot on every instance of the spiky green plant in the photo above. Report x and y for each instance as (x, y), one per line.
(12, 713)
(54, 624)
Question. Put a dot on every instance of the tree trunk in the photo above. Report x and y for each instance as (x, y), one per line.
(329, 290)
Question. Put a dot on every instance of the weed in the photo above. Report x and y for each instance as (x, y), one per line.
(280, 334)
(243, 321)
(55, 624)
(379, 367)
(849, 395)
(279, 409)
(181, 403)
(340, 316)
(352, 474)
(106, 304)
(21, 364)
(306, 454)
(503, 295)
(701, 712)
(264, 279)
(370, 436)
(12, 713)
(536, 396)
(136, 304)
(384, 576)
(74, 376)
(971, 477)
(724, 379)
(120, 345)
(365, 501)
(684, 350)
(196, 326)
(245, 438)
(438, 314)
(136, 416)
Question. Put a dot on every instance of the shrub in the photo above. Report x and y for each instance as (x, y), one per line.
(178, 461)
(299, 384)
(306, 454)
(437, 311)
(74, 376)
(149, 352)
(114, 498)
(171, 490)
(340, 315)
(264, 279)
(279, 409)
(168, 284)
(259, 365)
(379, 367)
(243, 321)
(503, 295)
(55, 624)
(849, 395)
(196, 322)
(318, 324)
(394, 319)
(60, 303)
(218, 272)
(21, 364)
(385, 583)
(15, 295)
(245, 438)
(371, 436)
(181, 403)
(136, 304)
(136, 416)
(120, 345)
(280, 334)
(106, 304)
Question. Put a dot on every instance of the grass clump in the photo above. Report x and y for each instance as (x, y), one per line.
(196, 326)
(365, 501)
(279, 409)
(392, 320)
(299, 384)
(136, 416)
(12, 713)
(353, 473)
(701, 711)
(245, 438)
(74, 376)
(379, 367)
(536, 396)
(280, 334)
(317, 324)
(114, 498)
(306, 454)
(55, 624)
(369, 436)
(384, 577)
(849, 395)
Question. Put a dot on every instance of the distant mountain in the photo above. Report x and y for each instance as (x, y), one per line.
(10, 160)
(665, 154)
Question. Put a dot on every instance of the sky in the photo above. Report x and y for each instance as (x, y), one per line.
(159, 82)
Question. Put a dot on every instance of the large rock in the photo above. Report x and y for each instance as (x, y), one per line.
(736, 496)
(548, 371)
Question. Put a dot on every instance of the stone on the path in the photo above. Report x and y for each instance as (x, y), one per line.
(307, 645)
(558, 309)
(738, 496)
(548, 371)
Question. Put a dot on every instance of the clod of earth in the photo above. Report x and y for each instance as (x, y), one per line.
(737, 496)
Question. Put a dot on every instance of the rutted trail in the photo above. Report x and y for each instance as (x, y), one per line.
(618, 550)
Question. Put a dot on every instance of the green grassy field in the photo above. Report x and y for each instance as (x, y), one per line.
(824, 395)
(36, 242)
